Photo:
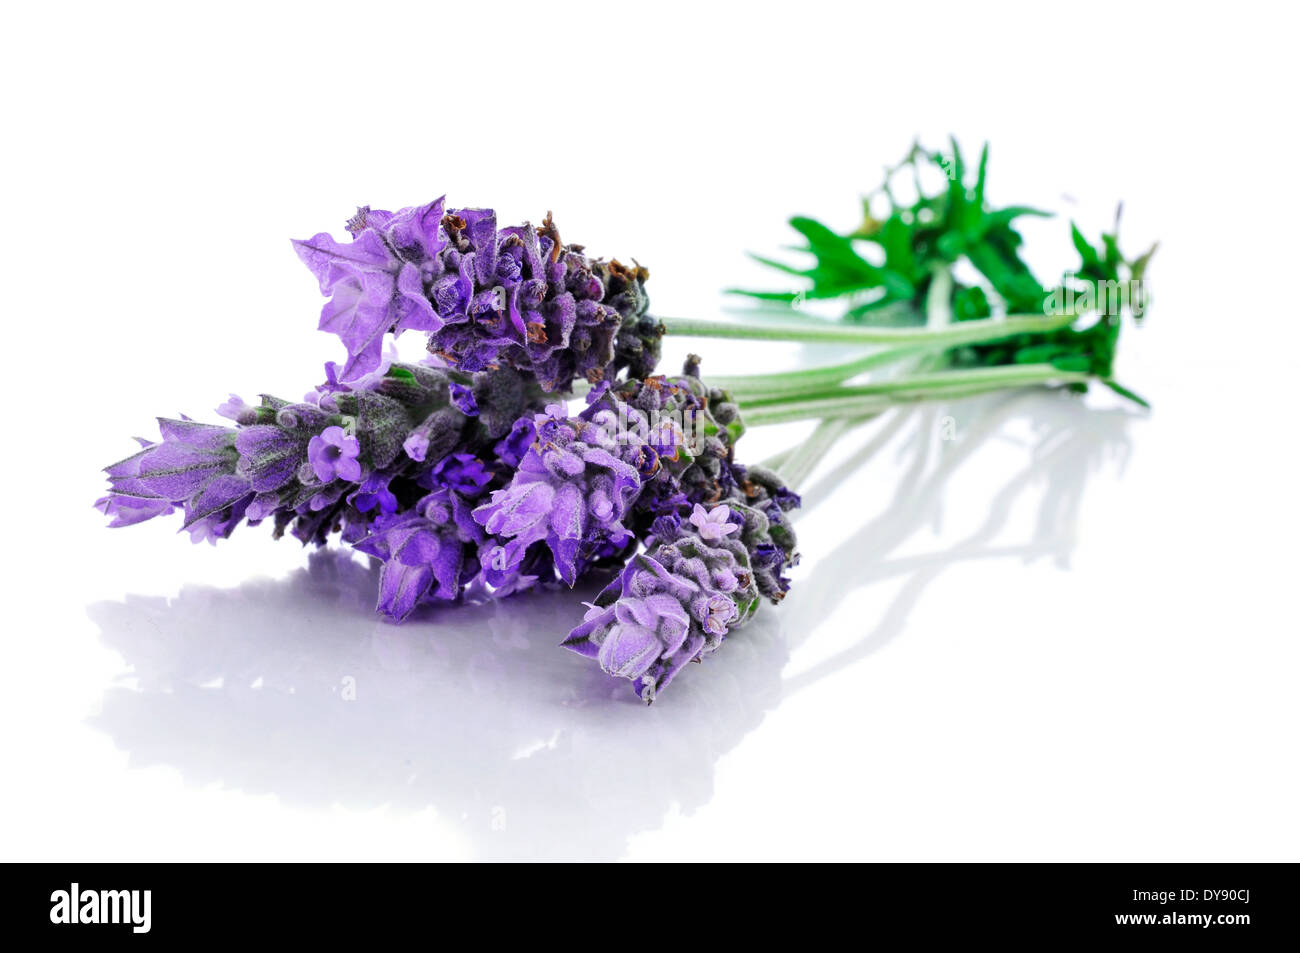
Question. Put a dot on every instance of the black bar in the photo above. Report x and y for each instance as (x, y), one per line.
(1223, 903)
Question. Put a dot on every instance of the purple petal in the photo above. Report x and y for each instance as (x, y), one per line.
(628, 650)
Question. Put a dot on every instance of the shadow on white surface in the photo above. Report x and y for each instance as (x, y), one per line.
(475, 711)
(1068, 442)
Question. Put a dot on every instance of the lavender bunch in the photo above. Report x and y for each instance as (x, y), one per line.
(396, 460)
(466, 477)
(473, 490)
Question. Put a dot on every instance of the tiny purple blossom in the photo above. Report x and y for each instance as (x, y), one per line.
(718, 611)
(334, 454)
(712, 524)
(374, 492)
(463, 399)
(511, 449)
(233, 409)
(462, 472)
(416, 446)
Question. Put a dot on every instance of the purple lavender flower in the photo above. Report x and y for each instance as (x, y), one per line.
(643, 630)
(767, 532)
(194, 467)
(127, 510)
(571, 490)
(416, 446)
(590, 483)
(428, 552)
(297, 465)
(712, 524)
(235, 409)
(490, 298)
(375, 492)
(463, 399)
(269, 455)
(378, 281)
(435, 436)
(207, 525)
(333, 454)
(671, 604)
(511, 448)
(462, 472)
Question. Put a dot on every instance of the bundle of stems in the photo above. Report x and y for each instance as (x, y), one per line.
(902, 366)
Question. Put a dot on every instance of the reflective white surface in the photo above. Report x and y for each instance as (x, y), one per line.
(938, 665)
(1068, 632)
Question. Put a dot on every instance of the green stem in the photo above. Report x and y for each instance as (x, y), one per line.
(1014, 375)
(938, 300)
(811, 378)
(965, 332)
(851, 402)
(765, 386)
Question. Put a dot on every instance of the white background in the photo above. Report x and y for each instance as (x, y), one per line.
(1068, 634)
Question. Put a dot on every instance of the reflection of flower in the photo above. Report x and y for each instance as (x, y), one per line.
(441, 714)
(333, 453)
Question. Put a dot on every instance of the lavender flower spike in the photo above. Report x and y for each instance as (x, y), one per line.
(490, 298)
(195, 468)
(673, 603)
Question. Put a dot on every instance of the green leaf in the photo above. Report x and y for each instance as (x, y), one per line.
(1074, 363)
(786, 296)
(959, 167)
(1037, 354)
(831, 247)
(1086, 251)
(1004, 216)
(896, 238)
(980, 179)
(1139, 266)
(1125, 392)
(779, 265)
(951, 245)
